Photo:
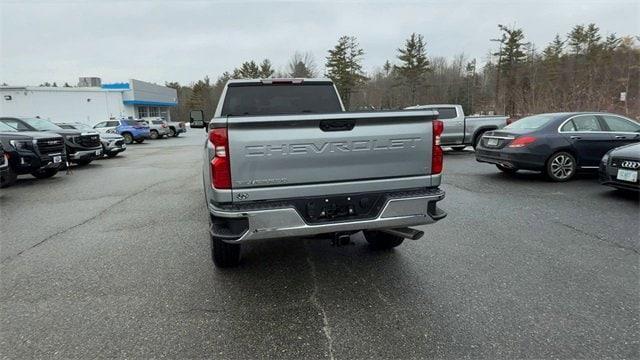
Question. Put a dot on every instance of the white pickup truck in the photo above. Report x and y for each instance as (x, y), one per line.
(460, 130)
(283, 159)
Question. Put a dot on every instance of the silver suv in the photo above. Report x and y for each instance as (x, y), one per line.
(158, 127)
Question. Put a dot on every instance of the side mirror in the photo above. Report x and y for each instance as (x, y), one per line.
(196, 119)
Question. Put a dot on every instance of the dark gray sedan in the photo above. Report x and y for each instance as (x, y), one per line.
(620, 167)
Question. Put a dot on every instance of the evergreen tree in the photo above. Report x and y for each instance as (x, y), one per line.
(413, 63)
(66, 84)
(301, 66)
(266, 70)
(512, 56)
(344, 67)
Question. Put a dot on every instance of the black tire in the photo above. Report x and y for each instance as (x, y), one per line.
(140, 141)
(154, 134)
(84, 162)
(561, 167)
(507, 170)
(10, 179)
(458, 148)
(128, 138)
(110, 154)
(44, 174)
(379, 241)
(172, 132)
(476, 140)
(224, 255)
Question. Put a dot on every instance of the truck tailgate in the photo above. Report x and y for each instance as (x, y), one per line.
(268, 151)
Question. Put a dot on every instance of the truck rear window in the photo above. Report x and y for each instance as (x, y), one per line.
(280, 99)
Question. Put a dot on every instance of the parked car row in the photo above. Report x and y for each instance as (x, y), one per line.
(139, 130)
(563, 144)
(41, 148)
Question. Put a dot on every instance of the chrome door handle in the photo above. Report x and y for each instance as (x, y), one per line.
(575, 137)
(620, 137)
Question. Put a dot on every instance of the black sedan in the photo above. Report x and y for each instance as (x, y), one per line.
(557, 144)
(620, 168)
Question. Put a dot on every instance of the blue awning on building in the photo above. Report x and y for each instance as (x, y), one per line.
(116, 86)
(149, 103)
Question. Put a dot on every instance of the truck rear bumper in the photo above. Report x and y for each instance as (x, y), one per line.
(237, 226)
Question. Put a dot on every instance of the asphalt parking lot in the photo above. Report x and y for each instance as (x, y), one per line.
(113, 260)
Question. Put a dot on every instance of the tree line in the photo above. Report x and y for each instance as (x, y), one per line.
(581, 71)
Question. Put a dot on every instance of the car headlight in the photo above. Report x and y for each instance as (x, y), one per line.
(22, 144)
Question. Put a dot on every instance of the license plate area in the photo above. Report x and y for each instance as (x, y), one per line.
(338, 208)
(627, 175)
(57, 159)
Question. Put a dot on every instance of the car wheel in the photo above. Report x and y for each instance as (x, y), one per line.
(379, 240)
(44, 174)
(83, 162)
(110, 154)
(561, 166)
(8, 180)
(476, 140)
(140, 141)
(172, 132)
(458, 148)
(224, 255)
(506, 169)
(128, 138)
(154, 134)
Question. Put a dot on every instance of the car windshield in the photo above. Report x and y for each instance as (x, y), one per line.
(5, 127)
(41, 124)
(130, 122)
(530, 122)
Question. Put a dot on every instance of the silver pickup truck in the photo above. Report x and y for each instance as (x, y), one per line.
(460, 130)
(283, 159)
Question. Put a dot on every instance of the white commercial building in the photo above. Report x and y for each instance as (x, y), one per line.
(89, 105)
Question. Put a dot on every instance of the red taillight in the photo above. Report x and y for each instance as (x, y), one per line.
(436, 150)
(220, 165)
(522, 141)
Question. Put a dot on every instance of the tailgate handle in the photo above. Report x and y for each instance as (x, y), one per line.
(337, 125)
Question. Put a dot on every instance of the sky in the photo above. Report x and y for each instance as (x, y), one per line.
(171, 40)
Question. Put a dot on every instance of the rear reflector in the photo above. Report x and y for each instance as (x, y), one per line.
(221, 164)
(436, 150)
(522, 141)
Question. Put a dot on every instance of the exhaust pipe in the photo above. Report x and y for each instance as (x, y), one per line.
(407, 233)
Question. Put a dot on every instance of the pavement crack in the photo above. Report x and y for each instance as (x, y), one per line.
(599, 238)
(100, 213)
(318, 305)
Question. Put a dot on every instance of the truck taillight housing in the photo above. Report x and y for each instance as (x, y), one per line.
(436, 151)
(221, 164)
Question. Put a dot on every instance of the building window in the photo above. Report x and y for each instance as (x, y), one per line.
(153, 111)
(143, 112)
(164, 113)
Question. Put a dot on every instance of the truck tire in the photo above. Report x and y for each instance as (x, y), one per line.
(128, 138)
(84, 162)
(379, 241)
(458, 148)
(224, 255)
(154, 134)
(476, 139)
(10, 179)
(172, 132)
(44, 174)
